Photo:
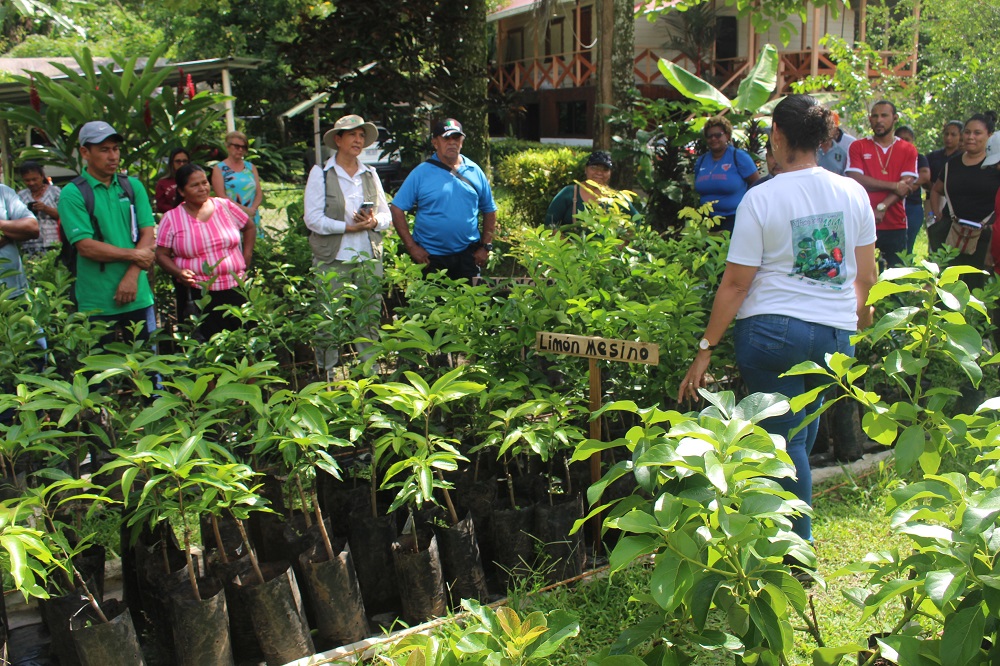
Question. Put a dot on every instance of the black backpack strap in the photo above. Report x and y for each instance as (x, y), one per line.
(126, 184)
(87, 192)
(455, 173)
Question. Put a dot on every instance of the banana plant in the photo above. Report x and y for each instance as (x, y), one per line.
(754, 91)
(422, 454)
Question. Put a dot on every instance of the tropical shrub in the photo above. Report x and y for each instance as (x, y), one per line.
(947, 579)
(533, 178)
(708, 507)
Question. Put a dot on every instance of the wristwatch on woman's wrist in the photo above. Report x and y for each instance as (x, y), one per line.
(705, 345)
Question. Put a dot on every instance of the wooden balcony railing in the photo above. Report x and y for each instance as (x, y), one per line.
(573, 70)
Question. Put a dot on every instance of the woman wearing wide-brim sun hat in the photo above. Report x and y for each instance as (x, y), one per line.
(346, 213)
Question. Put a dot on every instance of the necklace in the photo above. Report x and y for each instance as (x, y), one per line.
(888, 156)
(716, 162)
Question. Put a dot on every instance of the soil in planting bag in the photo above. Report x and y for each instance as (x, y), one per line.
(564, 554)
(200, 628)
(111, 643)
(56, 614)
(241, 632)
(277, 614)
(332, 586)
(463, 568)
(371, 549)
(513, 545)
(533, 488)
(421, 581)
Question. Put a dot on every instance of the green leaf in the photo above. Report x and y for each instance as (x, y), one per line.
(883, 289)
(561, 627)
(910, 447)
(880, 427)
(628, 549)
(768, 623)
(233, 392)
(832, 656)
(639, 522)
(759, 406)
(715, 472)
(622, 660)
(693, 87)
(702, 597)
(760, 81)
(874, 602)
(670, 580)
(963, 635)
(944, 586)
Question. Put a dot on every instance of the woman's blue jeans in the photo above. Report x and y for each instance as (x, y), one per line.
(766, 347)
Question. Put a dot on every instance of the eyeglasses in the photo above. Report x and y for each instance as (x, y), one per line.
(182, 161)
(715, 135)
(239, 146)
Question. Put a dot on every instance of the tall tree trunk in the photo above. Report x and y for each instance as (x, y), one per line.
(622, 85)
(464, 53)
(604, 97)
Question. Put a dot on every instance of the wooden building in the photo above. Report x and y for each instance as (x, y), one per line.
(546, 70)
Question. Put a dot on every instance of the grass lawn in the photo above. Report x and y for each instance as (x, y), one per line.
(850, 523)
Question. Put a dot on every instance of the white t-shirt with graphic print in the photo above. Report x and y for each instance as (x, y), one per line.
(801, 229)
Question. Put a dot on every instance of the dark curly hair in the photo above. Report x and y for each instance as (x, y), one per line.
(804, 122)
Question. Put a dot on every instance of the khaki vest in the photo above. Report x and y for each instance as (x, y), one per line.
(325, 247)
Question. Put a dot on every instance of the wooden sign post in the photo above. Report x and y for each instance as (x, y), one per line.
(595, 349)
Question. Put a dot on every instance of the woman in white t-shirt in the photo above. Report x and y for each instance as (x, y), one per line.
(800, 265)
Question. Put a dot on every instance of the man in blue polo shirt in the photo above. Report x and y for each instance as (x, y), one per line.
(448, 192)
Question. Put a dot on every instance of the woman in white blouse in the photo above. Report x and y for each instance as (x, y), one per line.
(346, 213)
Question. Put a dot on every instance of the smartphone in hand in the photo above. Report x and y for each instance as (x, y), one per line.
(366, 207)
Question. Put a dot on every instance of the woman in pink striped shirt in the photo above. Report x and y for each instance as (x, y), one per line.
(206, 243)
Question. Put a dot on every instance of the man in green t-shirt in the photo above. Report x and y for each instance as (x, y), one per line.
(111, 280)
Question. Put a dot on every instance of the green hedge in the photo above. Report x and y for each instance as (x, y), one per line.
(534, 177)
(501, 148)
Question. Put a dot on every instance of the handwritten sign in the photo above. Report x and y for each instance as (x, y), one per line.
(588, 347)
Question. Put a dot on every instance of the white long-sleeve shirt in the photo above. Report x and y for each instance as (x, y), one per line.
(354, 243)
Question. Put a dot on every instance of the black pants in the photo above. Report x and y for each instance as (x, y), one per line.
(459, 265)
(122, 323)
(890, 242)
(216, 320)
